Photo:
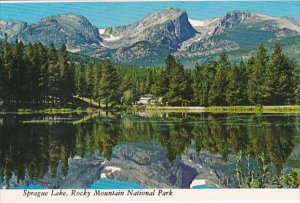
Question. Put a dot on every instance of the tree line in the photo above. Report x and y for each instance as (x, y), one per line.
(265, 79)
(35, 74)
(261, 80)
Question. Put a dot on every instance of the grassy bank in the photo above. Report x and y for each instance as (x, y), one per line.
(253, 109)
(191, 109)
(175, 109)
(228, 109)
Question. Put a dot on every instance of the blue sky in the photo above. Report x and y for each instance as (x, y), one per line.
(105, 14)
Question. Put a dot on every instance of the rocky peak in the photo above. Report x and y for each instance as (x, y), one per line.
(165, 15)
(73, 30)
(67, 20)
(12, 28)
(231, 19)
(237, 15)
(169, 28)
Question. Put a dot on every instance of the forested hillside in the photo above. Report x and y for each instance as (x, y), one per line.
(36, 75)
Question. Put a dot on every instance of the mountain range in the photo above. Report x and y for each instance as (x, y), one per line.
(170, 31)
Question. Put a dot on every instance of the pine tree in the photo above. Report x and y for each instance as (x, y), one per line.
(44, 71)
(166, 74)
(257, 91)
(7, 59)
(89, 81)
(79, 79)
(109, 83)
(127, 90)
(279, 81)
(1, 71)
(69, 80)
(54, 74)
(217, 90)
(35, 73)
(96, 80)
(196, 83)
(208, 73)
(18, 72)
(297, 84)
(161, 84)
(66, 79)
(176, 94)
(235, 91)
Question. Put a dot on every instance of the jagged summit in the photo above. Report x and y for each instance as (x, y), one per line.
(231, 19)
(73, 30)
(168, 28)
(69, 19)
(169, 31)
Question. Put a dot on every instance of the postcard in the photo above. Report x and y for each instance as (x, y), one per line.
(150, 101)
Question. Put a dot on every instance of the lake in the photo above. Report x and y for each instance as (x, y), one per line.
(144, 150)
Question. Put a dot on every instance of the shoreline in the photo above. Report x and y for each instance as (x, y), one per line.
(169, 109)
(226, 109)
(48, 110)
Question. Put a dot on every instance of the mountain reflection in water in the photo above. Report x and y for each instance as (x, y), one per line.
(154, 150)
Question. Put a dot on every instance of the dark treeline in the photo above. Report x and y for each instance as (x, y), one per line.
(37, 75)
(261, 80)
(34, 74)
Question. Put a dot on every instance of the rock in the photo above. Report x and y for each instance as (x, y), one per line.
(151, 39)
(73, 30)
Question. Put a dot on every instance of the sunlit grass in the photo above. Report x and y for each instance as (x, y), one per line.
(229, 109)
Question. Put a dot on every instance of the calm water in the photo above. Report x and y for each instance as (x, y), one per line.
(141, 150)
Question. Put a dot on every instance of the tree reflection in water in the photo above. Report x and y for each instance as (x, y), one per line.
(34, 149)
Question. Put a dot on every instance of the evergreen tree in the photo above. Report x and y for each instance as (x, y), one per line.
(96, 81)
(89, 81)
(69, 81)
(170, 64)
(127, 89)
(7, 70)
(35, 73)
(18, 72)
(54, 74)
(297, 84)
(1, 73)
(161, 84)
(109, 83)
(257, 91)
(196, 83)
(66, 76)
(217, 90)
(235, 91)
(44, 71)
(209, 72)
(279, 81)
(31, 74)
(176, 94)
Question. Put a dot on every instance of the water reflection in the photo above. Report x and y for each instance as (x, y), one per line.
(34, 149)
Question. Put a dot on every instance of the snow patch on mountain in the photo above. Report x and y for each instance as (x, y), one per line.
(101, 31)
(110, 38)
(196, 23)
(107, 37)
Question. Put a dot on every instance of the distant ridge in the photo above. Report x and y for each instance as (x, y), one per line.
(169, 31)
